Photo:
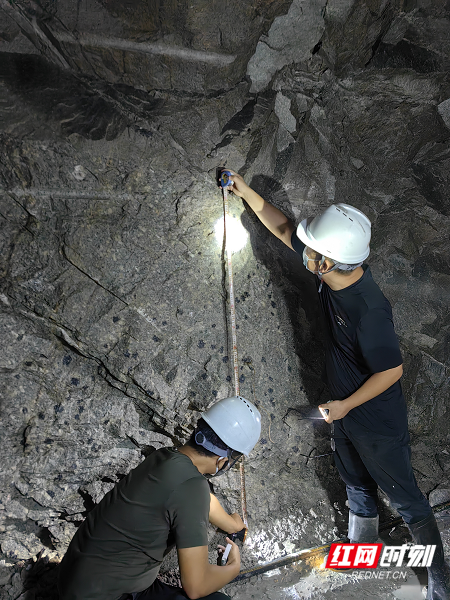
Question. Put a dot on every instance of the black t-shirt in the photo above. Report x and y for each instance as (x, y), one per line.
(118, 549)
(361, 341)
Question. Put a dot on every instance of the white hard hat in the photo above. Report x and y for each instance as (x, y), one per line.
(341, 233)
(236, 421)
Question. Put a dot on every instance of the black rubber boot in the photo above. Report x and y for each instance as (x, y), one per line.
(362, 530)
(426, 532)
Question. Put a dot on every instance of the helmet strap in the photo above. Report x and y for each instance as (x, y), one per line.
(341, 266)
(201, 440)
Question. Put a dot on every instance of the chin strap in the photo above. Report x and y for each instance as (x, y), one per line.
(340, 266)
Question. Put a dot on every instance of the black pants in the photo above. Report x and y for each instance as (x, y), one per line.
(161, 591)
(366, 460)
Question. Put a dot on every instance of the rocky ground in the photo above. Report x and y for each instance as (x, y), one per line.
(114, 318)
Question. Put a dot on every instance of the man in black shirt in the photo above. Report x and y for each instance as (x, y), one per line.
(364, 366)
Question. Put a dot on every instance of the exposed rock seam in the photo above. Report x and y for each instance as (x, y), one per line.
(141, 397)
(63, 248)
(149, 48)
(59, 193)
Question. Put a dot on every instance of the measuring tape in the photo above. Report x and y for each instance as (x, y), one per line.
(225, 182)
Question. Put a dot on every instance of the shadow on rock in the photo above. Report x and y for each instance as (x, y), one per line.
(39, 580)
(298, 292)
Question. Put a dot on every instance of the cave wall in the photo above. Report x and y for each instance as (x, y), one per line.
(113, 314)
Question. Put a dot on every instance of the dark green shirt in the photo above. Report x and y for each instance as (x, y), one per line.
(119, 548)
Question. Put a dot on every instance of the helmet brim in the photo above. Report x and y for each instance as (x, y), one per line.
(305, 238)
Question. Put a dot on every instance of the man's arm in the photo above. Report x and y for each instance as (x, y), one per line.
(269, 215)
(199, 578)
(221, 519)
(375, 385)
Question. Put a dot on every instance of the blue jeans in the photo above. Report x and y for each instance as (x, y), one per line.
(366, 460)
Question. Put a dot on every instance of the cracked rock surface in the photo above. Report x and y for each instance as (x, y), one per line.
(114, 315)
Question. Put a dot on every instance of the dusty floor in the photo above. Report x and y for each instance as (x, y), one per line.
(303, 582)
(300, 581)
(330, 585)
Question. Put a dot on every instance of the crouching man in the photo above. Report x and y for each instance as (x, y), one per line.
(164, 502)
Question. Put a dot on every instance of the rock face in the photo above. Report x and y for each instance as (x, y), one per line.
(114, 317)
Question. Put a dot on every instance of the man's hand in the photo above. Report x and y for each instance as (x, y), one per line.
(198, 577)
(372, 387)
(270, 216)
(234, 556)
(239, 186)
(337, 410)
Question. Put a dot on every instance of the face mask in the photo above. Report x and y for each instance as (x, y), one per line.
(313, 261)
(232, 460)
(217, 467)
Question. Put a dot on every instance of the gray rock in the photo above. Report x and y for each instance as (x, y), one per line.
(113, 296)
(444, 111)
(291, 38)
(21, 546)
(439, 496)
(283, 112)
(190, 48)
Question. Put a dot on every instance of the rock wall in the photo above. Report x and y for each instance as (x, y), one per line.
(113, 315)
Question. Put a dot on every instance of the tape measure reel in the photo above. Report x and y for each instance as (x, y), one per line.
(225, 179)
